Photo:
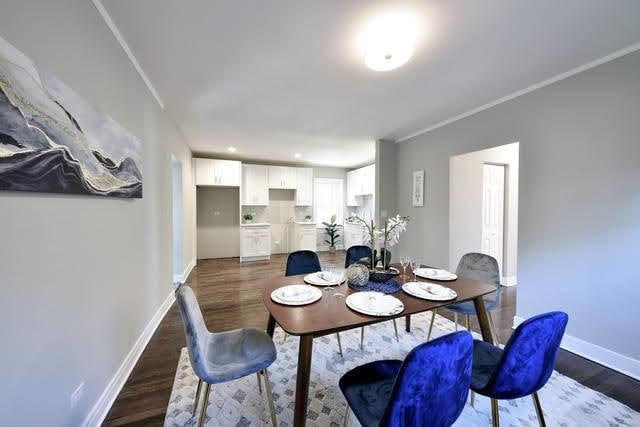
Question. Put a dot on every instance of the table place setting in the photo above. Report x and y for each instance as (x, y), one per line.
(435, 274)
(429, 291)
(296, 295)
(374, 303)
(324, 278)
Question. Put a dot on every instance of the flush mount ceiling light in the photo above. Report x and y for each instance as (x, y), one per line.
(231, 149)
(297, 155)
(389, 41)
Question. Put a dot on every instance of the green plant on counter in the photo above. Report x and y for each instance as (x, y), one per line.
(247, 217)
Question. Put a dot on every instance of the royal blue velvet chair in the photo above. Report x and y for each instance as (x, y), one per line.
(224, 356)
(356, 253)
(523, 366)
(483, 268)
(429, 388)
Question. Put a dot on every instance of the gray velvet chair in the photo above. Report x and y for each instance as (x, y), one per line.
(224, 356)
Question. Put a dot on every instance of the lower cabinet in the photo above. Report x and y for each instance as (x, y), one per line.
(353, 235)
(303, 237)
(255, 242)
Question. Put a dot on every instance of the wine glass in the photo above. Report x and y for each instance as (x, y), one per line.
(329, 271)
(404, 262)
(415, 265)
(338, 275)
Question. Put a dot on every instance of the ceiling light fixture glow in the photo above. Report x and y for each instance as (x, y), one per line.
(297, 155)
(231, 149)
(389, 41)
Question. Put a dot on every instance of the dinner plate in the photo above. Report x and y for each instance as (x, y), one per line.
(435, 274)
(296, 295)
(374, 303)
(323, 278)
(429, 291)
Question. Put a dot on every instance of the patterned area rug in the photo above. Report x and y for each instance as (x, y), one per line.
(238, 403)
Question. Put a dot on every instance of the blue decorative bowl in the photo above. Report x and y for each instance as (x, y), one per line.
(382, 275)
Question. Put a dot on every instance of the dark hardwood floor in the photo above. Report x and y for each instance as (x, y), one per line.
(224, 290)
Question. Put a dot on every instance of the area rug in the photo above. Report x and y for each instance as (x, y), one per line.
(238, 403)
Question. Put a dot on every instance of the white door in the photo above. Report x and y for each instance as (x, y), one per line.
(493, 212)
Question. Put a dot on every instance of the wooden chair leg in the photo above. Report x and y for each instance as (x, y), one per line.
(536, 403)
(259, 383)
(195, 404)
(495, 415)
(362, 338)
(433, 318)
(272, 408)
(395, 326)
(339, 344)
(286, 335)
(205, 403)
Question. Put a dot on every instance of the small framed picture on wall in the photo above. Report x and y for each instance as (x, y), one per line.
(418, 189)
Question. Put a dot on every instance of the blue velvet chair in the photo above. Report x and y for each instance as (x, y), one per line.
(356, 253)
(525, 364)
(224, 356)
(483, 268)
(429, 388)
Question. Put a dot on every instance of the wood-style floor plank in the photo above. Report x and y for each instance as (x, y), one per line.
(229, 301)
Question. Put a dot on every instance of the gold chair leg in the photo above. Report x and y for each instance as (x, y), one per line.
(346, 417)
(195, 404)
(495, 415)
(286, 335)
(539, 413)
(272, 408)
(362, 338)
(205, 403)
(494, 331)
(395, 326)
(468, 322)
(455, 319)
(433, 317)
(339, 344)
(259, 383)
(473, 398)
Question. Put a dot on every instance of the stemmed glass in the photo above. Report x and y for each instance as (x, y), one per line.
(330, 271)
(338, 275)
(415, 265)
(404, 262)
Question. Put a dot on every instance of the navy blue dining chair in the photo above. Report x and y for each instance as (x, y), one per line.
(223, 356)
(356, 253)
(523, 366)
(305, 262)
(429, 388)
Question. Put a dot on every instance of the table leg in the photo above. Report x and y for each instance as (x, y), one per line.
(271, 325)
(407, 323)
(483, 320)
(302, 380)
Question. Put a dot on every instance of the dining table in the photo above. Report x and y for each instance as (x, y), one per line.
(330, 314)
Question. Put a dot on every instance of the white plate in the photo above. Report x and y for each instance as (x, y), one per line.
(429, 291)
(374, 303)
(435, 274)
(296, 295)
(322, 278)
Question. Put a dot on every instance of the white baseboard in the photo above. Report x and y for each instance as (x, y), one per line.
(616, 361)
(181, 278)
(509, 281)
(101, 408)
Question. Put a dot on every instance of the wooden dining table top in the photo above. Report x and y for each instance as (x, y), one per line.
(330, 314)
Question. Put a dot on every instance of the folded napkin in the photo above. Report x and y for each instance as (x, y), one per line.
(295, 293)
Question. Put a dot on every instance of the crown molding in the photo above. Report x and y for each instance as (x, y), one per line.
(116, 33)
(615, 55)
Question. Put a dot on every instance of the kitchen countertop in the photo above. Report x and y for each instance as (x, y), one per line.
(305, 222)
(255, 224)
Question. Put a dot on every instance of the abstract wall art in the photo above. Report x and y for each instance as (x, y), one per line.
(52, 140)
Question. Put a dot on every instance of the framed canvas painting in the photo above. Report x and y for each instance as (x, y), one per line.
(418, 189)
(54, 141)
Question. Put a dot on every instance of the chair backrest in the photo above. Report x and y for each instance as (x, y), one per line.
(483, 268)
(302, 262)
(529, 357)
(432, 386)
(194, 328)
(356, 253)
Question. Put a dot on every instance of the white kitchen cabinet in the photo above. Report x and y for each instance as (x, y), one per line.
(255, 242)
(353, 235)
(304, 186)
(282, 177)
(255, 185)
(360, 182)
(303, 237)
(212, 172)
(352, 183)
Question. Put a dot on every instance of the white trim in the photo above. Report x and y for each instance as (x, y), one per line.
(181, 278)
(101, 408)
(615, 55)
(116, 33)
(616, 361)
(509, 281)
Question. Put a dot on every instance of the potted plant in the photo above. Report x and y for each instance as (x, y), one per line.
(248, 218)
(307, 218)
(331, 228)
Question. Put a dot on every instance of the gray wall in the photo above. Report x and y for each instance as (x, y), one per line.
(82, 276)
(579, 224)
(218, 222)
(385, 198)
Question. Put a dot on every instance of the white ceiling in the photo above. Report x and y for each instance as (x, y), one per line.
(277, 77)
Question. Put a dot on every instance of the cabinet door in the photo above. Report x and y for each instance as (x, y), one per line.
(290, 178)
(205, 174)
(369, 179)
(304, 187)
(248, 244)
(276, 178)
(351, 188)
(263, 243)
(255, 185)
(307, 239)
(227, 173)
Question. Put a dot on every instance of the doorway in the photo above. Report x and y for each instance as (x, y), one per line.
(483, 207)
(176, 220)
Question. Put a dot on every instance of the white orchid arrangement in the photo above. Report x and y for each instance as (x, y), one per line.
(386, 237)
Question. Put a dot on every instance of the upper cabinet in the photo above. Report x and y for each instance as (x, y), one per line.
(224, 173)
(282, 177)
(304, 186)
(360, 182)
(255, 185)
